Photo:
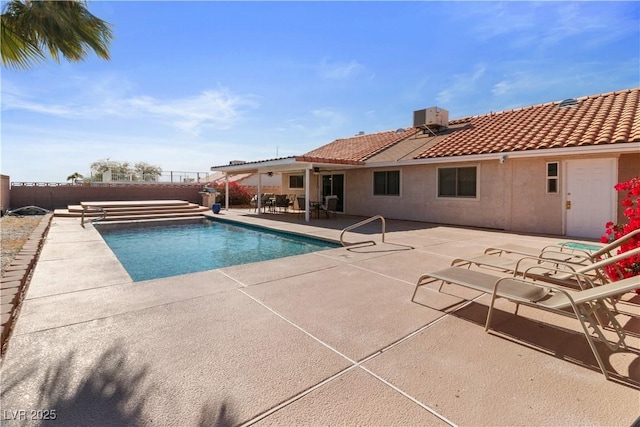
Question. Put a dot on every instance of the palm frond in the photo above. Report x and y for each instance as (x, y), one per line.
(17, 52)
(62, 28)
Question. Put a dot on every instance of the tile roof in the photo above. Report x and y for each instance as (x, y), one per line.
(609, 118)
(360, 147)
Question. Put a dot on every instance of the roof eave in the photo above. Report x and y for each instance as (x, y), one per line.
(295, 163)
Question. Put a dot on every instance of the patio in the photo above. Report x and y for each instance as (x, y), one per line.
(328, 338)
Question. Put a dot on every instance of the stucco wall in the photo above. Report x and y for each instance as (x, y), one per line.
(419, 202)
(511, 196)
(532, 209)
(60, 196)
(314, 182)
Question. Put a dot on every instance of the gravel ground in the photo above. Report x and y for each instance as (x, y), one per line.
(15, 231)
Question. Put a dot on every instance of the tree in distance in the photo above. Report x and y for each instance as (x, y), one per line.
(74, 177)
(124, 171)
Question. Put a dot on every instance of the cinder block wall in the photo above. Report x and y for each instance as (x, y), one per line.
(59, 196)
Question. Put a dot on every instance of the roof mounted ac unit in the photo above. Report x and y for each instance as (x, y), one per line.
(431, 118)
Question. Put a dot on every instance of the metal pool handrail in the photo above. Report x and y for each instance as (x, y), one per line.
(85, 208)
(361, 223)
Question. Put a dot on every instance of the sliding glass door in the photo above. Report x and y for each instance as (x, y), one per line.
(333, 185)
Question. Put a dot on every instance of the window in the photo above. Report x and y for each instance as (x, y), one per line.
(296, 181)
(386, 183)
(457, 182)
(552, 177)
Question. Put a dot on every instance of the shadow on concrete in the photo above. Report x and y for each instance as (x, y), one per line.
(343, 221)
(373, 247)
(556, 341)
(111, 393)
(213, 415)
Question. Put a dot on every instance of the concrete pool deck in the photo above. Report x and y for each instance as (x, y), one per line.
(327, 338)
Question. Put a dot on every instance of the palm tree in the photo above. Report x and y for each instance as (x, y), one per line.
(74, 176)
(30, 28)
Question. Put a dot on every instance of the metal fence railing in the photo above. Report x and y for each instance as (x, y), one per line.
(174, 177)
(170, 177)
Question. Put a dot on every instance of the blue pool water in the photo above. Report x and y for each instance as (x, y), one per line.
(163, 250)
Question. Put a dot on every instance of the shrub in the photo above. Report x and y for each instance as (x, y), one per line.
(238, 194)
(630, 266)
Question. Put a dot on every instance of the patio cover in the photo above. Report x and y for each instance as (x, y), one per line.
(290, 164)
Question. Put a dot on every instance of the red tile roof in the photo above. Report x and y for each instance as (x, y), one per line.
(360, 147)
(610, 118)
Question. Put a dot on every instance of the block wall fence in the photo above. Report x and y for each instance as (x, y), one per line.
(59, 196)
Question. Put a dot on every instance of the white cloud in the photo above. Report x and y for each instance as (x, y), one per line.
(462, 85)
(316, 123)
(211, 109)
(536, 25)
(340, 71)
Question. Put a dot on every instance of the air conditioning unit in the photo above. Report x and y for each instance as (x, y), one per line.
(432, 118)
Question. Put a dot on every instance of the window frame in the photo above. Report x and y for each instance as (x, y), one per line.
(552, 178)
(386, 183)
(301, 181)
(476, 195)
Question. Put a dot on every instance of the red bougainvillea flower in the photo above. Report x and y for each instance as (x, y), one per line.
(630, 266)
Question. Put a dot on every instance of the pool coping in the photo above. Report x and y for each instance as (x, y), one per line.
(15, 280)
(117, 225)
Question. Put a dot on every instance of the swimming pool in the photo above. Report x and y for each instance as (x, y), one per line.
(156, 250)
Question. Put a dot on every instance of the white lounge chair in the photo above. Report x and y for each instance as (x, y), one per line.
(566, 249)
(585, 274)
(585, 305)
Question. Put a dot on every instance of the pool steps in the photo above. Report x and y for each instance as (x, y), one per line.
(134, 210)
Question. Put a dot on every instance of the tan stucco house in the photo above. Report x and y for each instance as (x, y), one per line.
(546, 168)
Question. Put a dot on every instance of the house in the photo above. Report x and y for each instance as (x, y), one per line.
(546, 168)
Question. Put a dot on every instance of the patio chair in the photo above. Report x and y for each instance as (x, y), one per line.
(282, 202)
(330, 205)
(565, 273)
(301, 205)
(565, 248)
(267, 202)
(585, 305)
(254, 203)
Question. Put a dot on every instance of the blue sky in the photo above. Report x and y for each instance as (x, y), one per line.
(196, 84)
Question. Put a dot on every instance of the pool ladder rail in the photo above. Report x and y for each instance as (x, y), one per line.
(360, 224)
(89, 208)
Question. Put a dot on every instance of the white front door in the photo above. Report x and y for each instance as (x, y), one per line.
(590, 197)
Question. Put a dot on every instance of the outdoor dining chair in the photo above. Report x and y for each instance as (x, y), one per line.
(330, 205)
